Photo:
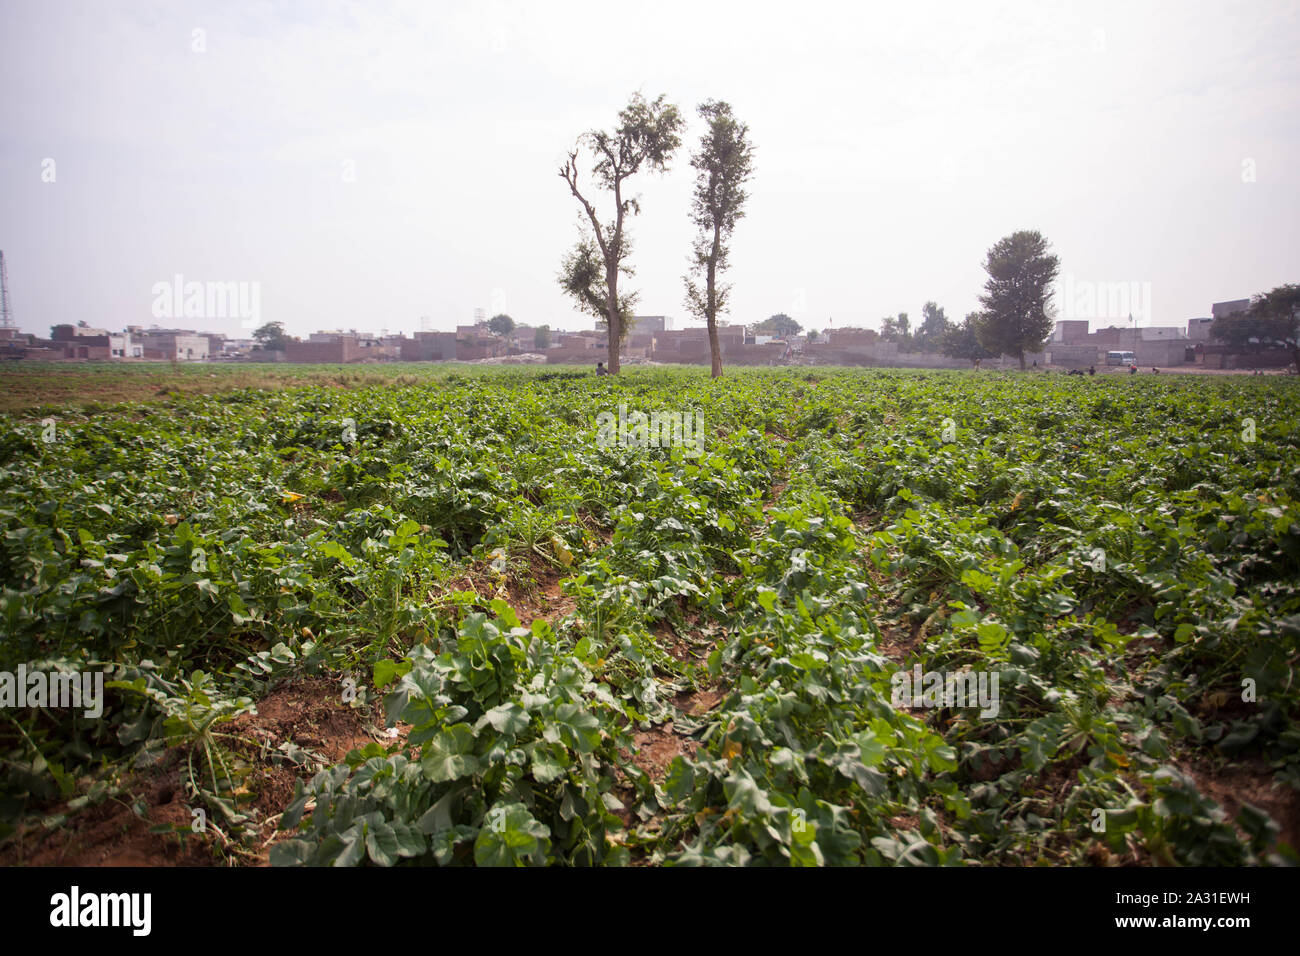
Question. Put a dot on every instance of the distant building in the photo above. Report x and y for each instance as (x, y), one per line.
(1160, 333)
(174, 345)
(1072, 344)
(95, 348)
(341, 348)
(122, 346)
(430, 347)
(1222, 309)
(326, 349)
(1070, 331)
(851, 337)
(476, 341)
(68, 333)
(578, 340)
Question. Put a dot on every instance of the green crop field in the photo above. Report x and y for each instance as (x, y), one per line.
(861, 617)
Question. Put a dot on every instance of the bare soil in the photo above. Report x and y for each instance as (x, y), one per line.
(309, 713)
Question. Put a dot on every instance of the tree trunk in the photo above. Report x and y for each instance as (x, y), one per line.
(615, 328)
(711, 278)
(1295, 357)
(714, 349)
(611, 278)
(615, 320)
(1021, 356)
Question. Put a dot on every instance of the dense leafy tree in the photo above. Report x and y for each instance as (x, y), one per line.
(271, 336)
(501, 325)
(963, 341)
(934, 326)
(780, 325)
(1016, 316)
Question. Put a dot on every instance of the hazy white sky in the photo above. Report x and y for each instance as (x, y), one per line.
(894, 144)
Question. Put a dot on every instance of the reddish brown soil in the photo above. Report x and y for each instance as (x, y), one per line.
(1249, 781)
(310, 713)
(656, 748)
(541, 597)
(112, 834)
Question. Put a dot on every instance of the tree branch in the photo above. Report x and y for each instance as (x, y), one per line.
(569, 171)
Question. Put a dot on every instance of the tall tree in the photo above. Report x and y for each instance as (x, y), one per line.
(723, 163)
(1017, 295)
(889, 329)
(646, 136)
(963, 341)
(501, 325)
(542, 337)
(934, 326)
(1273, 318)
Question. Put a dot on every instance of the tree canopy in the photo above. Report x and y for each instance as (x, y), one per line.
(963, 341)
(934, 326)
(271, 336)
(780, 325)
(1016, 316)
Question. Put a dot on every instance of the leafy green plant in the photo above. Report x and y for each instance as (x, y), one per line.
(1113, 549)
